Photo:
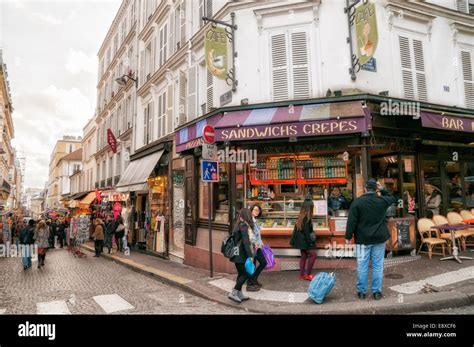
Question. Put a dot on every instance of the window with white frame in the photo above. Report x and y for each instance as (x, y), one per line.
(161, 116)
(467, 62)
(179, 22)
(462, 6)
(413, 68)
(205, 10)
(193, 80)
(118, 164)
(104, 175)
(289, 64)
(148, 124)
(111, 167)
(148, 60)
(182, 85)
(163, 43)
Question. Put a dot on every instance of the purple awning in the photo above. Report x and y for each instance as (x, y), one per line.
(280, 122)
(447, 122)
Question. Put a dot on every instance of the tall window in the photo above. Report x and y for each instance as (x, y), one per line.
(118, 163)
(289, 58)
(161, 120)
(163, 43)
(413, 68)
(148, 124)
(205, 10)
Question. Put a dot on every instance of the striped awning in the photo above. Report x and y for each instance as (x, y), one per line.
(297, 116)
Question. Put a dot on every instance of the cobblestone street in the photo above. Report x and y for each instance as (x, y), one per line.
(72, 284)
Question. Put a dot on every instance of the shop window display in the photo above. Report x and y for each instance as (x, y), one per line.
(220, 196)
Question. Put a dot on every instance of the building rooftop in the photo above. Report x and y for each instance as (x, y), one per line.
(76, 155)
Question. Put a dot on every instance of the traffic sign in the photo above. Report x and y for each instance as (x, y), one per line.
(208, 134)
(209, 152)
(209, 171)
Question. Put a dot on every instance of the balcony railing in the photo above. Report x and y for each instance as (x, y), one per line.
(109, 182)
(116, 180)
(102, 184)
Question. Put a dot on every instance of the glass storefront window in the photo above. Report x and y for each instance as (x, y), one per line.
(410, 202)
(432, 190)
(386, 171)
(469, 185)
(453, 173)
(220, 196)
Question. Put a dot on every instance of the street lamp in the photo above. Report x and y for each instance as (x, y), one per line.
(124, 79)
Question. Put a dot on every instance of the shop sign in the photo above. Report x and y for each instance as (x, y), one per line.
(216, 52)
(226, 98)
(111, 140)
(314, 128)
(366, 32)
(437, 121)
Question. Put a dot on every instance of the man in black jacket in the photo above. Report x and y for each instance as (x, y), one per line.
(368, 224)
(26, 239)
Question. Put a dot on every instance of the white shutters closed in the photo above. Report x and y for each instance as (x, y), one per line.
(467, 77)
(169, 112)
(142, 66)
(182, 16)
(173, 33)
(300, 65)
(279, 54)
(151, 115)
(413, 69)
(462, 6)
(192, 92)
(163, 44)
(162, 115)
(209, 91)
(182, 98)
(289, 51)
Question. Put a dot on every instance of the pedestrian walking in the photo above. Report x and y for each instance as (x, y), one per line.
(367, 223)
(26, 239)
(62, 232)
(304, 239)
(52, 232)
(42, 241)
(253, 285)
(98, 236)
(109, 234)
(119, 230)
(243, 223)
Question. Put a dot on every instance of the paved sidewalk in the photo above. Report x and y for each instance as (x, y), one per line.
(415, 286)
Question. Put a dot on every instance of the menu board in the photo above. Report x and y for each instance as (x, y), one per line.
(403, 233)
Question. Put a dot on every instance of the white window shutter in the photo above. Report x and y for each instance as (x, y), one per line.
(173, 34)
(182, 98)
(192, 93)
(201, 12)
(145, 124)
(468, 79)
(169, 113)
(142, 66)
(159, 115)
(150, 124)
(165, 48)
(407, 71)
(182, 16)
(421, 87)
(300, 65)
(209, 8)
(462, 6)
(279, 65)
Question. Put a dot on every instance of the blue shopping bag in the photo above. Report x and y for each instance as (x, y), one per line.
(321, 285)
(249, 266)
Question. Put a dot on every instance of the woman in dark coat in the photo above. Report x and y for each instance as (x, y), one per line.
(119, 230)
(304, 239)
(244, 224)
(109, 233)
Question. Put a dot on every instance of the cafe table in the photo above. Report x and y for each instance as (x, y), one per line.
(469, 221)
(452, 229)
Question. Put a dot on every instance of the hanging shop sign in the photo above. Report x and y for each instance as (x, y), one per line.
(438, 121)
(366, 32)
(216, 52)
(111, 140)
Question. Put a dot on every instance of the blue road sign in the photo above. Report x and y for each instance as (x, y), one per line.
(209, 171)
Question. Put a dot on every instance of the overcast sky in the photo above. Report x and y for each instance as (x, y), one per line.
(50, 48)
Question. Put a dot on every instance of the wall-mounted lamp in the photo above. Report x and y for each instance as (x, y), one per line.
(124, 79)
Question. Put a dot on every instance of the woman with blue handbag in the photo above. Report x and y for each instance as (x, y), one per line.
(242, 225)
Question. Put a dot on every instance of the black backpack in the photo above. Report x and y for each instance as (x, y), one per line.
(229, 249)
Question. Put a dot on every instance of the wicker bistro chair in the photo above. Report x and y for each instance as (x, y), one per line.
(472, 210)
(439, 220)
(455, 218)
(426, 234)
(465, 214)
